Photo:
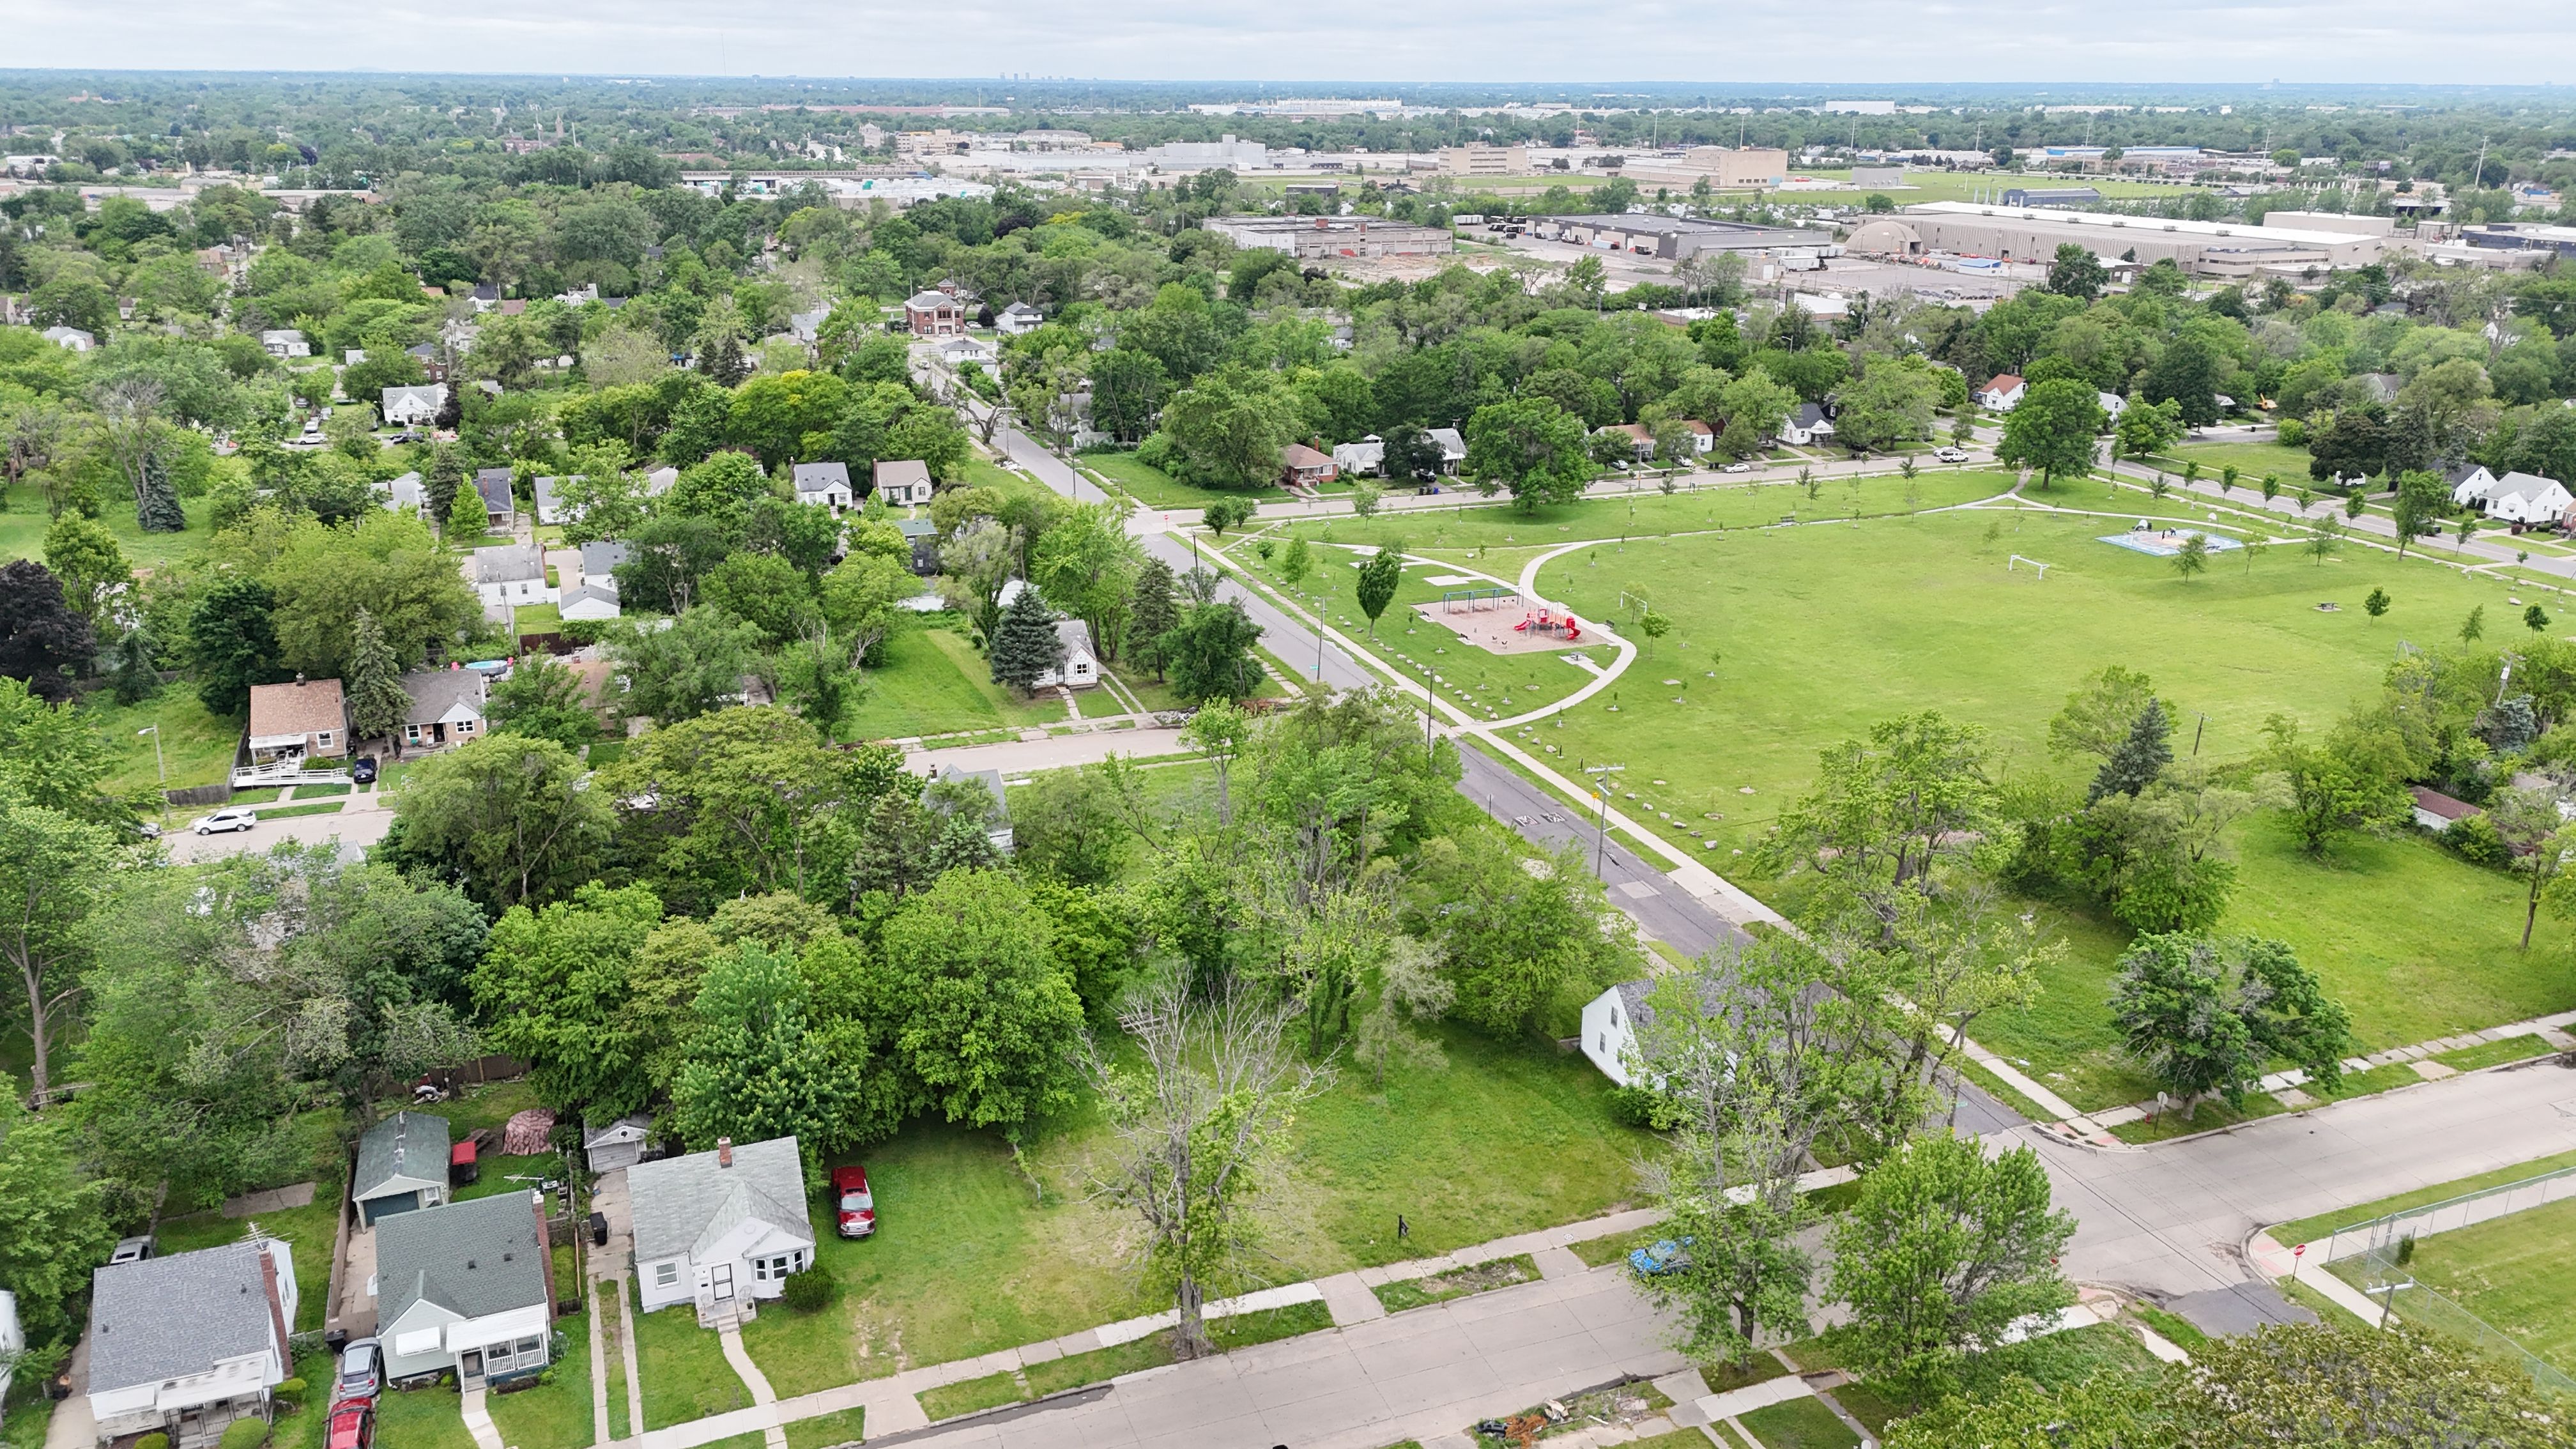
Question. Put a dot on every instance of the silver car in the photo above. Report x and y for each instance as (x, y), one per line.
(228, 820)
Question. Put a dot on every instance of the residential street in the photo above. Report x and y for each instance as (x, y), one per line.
(357, 825)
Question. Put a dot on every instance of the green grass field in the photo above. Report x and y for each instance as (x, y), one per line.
(555, 1414)
(197, 746)
(1817, 632)
(1799, 1424)
(684, 1370)
(1922, 186)
(428, 1418)
(828, 1431)
(953, 1208)
(2509, 1272)
(22, 531)
(2251, 461)
(933, 682)
(2310, 1229)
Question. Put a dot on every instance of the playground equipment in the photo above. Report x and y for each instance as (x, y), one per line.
(1553, 625)
(1476, 600)
(2014, 561)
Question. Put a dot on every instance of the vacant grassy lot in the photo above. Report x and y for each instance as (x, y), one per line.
(975, 1252)
(1817, 632)
(2510, 1272)
(1155, 488)
(197, 746)
(22, 531)
(2251, 461)
(933, 682)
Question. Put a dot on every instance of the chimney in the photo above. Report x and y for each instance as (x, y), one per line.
(724, 1152)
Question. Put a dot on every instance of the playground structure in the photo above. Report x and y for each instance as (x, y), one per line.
(1497, 620)
(1539, 623)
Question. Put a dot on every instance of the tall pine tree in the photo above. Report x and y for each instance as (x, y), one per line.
(1024, 643)
(377, 703)
(2139, 759)
(157, 510)
(439, 485)
(1152, 613)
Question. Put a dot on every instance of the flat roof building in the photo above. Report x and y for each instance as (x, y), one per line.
(1478, 159)
(2033, 234)
(1727, 168)
(1674, 238)
(1325, 237)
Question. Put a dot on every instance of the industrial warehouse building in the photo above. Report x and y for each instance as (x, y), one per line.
(1326, 237)
(1675, 238)
(2227, 250)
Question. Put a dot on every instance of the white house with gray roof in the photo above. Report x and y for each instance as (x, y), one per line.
(402, 1167)
(2527, 498)
(509, 575)
(719, 1229)
(1610, 1027)
(185, 1345)
(467, 1287)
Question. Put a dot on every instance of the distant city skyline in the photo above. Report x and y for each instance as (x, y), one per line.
(1861, 42)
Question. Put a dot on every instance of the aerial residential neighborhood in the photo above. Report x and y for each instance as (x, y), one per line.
(700, 757)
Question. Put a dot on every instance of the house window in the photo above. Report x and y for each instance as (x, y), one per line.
(411, 733)
(666, 1275)
(323, 740)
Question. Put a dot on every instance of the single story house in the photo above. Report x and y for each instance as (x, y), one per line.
(467, 1288)
(1703, 437)
(719, 1229)
(404, 492)
(1303, 467)
(1365, 458)
(997, 825)
(551, 508)
(2438, 812)
(2528, 499)
(285, 342)
(1079, 668)
(71, 339)
(958, 351)
(2112, 404)
(413, 407)
(1018, 318)
(1641, 439)
(308, 719)
(402, 1166)
(446, 708)
(588, 602)
(903, 481)
(827, 484)
(499, 507)
(510, 574)
(187, 1344)
(1805, 425)
(2470, 483)
(1610, 1027)
(1453, 448)
(618, 1144)
(923, 536)
(599, 561)
(934, 314)
(2002, 393)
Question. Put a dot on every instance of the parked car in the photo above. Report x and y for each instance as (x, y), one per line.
(1950, 455)
(1738, 466)
(353, 1426)
(228, 820)
(362, 1377)
(1660, 1258)
(854, 1207)
(364, 772)
(131, 1250)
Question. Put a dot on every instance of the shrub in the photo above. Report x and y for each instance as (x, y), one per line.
(2294, 433)
(2475, 839)
(807, 1292)
(153, 1440)
(1632, 1106)
(245, 1433)
(290, 1393)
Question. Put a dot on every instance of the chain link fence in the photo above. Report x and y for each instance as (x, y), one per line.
(2382, 1268)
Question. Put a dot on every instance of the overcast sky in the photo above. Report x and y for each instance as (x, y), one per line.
(1855, 41)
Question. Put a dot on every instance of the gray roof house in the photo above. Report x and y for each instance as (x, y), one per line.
(402, 1166)
(499, 508)
(903, 480)
(413, 406)
(923, 535)
(468, 1287)
(824, 483)
(600, 558)
(1453, 448)
(510, 573)
(404, 492)
(588, 602)
(550, 505)
(185, 1345)
(446, 708)
(720, 1229)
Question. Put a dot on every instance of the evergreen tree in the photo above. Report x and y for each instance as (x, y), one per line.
(722, 360)
(134, 678)
(466, 516)
(1152, 612)
(963, 845)
(440, 483)
(158, 510)
(1024, 644)
(2139, 759)
(377, 702)
(451, 409)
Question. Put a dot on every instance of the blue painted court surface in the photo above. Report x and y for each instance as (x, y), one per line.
(2165, 543)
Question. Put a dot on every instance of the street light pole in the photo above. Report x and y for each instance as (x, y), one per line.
(160, 763)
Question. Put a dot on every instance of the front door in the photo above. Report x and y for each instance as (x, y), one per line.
(469, 1369)
(720, 1282)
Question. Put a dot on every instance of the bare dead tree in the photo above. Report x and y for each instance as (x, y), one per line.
(1192, 1129)
(129, 422)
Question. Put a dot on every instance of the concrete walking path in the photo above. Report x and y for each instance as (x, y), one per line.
(478, 1419)
(762, 1395)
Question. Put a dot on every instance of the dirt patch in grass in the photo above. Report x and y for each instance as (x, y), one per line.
(1484, 1277)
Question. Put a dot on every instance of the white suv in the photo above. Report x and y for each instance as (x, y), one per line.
(1950, 455)
(228, 820)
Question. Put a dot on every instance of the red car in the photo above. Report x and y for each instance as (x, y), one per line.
(353, 1426)
(853, 1206)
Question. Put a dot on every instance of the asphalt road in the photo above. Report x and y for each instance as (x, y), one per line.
(354, 828)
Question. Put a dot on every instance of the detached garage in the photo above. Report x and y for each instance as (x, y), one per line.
(402, 1167)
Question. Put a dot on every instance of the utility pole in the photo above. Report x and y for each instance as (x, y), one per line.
(1601, 797)
(158, 762)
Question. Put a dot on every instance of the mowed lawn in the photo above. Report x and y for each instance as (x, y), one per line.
(2251, 461)
(933, 682)
(1820, 632)
(976, 1252)
(1154, 488)
(2511, 1272)
(23, 525)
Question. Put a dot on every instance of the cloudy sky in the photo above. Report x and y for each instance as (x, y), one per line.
(1854, 41)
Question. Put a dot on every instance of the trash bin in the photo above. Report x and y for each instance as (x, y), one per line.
(599, 1230)
(336, 1340)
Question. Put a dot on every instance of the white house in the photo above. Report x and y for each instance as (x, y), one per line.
(719, 1229)
(403, 492)
(659, 481)
(2527, 498)
(958, 351)
(618, 1144)
(1806, 424)
(2437, 812)
(824, 484)
(587, 602)
(2002, 393)
(1017, 318)
(2470, 483)
(1361, 459)
(71, 338)
(1080, 666)
(185, 1345)
(510, 574)
(446, 708)
(1453, 448)
(466, 1288)
(1610, 1027)
(285, 342)
(13, 1341)
(2112, 404)
(903, 481)
(402, 1166)
(551, 508)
